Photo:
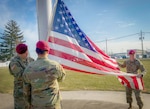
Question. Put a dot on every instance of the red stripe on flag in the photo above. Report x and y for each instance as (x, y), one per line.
(95, 60)
(77, 48)
(75, 69)
(135, 82)
(125, 81)
(97, 49)
(64, 43)
(77, 60)
(105, 56)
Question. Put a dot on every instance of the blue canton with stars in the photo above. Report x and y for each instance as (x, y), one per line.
(64, 23)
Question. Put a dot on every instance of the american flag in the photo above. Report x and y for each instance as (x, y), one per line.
(74, 50)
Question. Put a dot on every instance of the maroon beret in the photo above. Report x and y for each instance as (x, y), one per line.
(43, 45)
(21, 48)
(131, 52)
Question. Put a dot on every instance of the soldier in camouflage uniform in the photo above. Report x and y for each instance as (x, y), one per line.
(133, 65)
(42, 77)
(16, 68)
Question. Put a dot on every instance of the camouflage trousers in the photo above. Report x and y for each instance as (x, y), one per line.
(137, 95)
(20, 104)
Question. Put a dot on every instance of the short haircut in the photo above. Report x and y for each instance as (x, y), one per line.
(39, 51)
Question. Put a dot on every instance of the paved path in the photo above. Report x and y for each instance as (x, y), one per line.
(101, 100)
(87, 100)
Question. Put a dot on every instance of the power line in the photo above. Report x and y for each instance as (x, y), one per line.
(119, 37)
(141, 38)
(123, 36)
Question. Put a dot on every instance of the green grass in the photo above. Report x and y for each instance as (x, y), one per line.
(147, 76)
(80, 81)
(6, 81)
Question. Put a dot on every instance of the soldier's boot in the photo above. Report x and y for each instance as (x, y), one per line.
(140, 106)
(130, 106)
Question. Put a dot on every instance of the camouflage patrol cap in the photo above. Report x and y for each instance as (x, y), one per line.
(21, 48)
(43, 45)
(131, 52)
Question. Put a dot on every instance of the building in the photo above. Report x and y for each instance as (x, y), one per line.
(138, 53)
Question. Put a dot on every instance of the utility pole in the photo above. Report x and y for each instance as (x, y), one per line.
(141, 38)
(106, 45)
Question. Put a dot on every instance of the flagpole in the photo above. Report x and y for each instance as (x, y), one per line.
(44, 17)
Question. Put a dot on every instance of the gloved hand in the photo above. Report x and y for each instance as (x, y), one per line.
(139, 75)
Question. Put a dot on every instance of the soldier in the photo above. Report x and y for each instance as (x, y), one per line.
(132, 66)
(16, 68)
(42, 77)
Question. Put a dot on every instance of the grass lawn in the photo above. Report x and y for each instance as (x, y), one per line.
(6, 81)
(80, 81)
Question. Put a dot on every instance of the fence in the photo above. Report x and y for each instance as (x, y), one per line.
(4, 64)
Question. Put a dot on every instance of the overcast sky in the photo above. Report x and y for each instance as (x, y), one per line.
(117, 22)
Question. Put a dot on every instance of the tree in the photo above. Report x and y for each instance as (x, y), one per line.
(11, 36)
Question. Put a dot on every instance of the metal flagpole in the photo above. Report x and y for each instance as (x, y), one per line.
(44, 15)
(45, 18)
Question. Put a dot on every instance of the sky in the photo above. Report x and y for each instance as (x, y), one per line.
(113, 25)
